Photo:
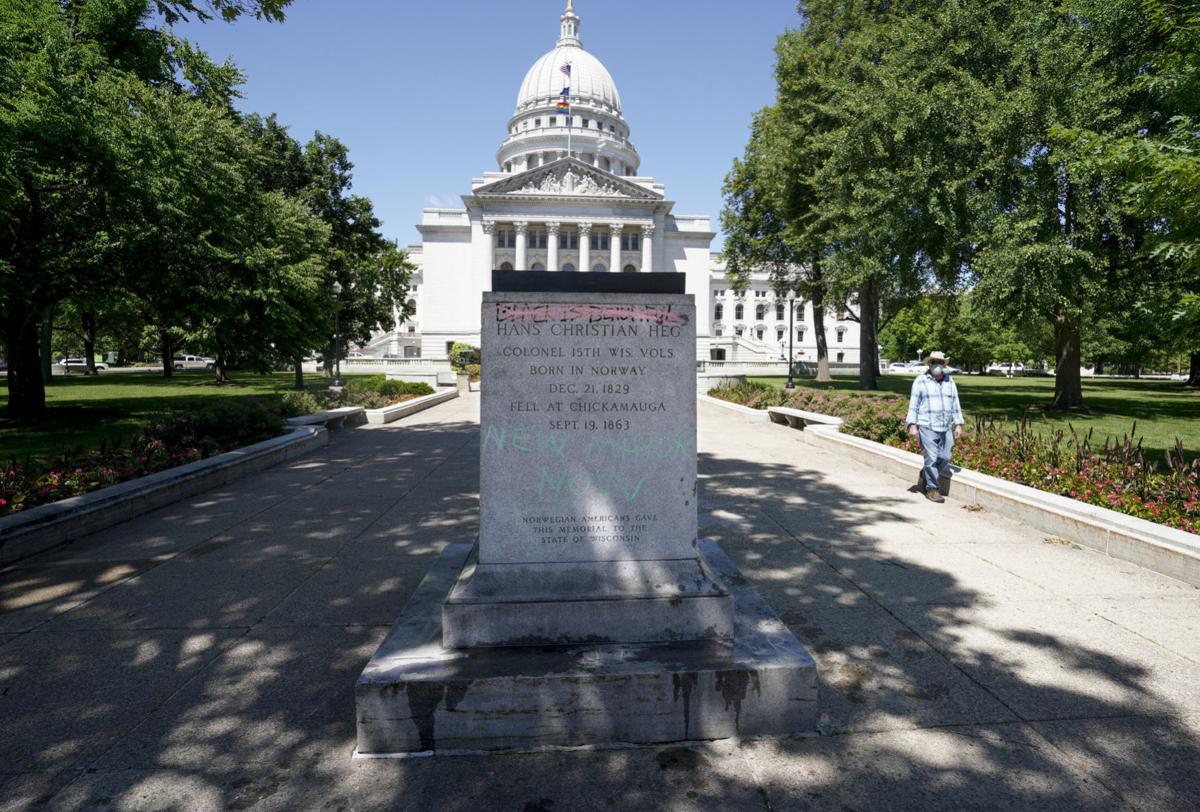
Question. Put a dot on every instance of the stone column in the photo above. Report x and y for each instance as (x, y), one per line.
(614, 247)
(522, 228)
(647, 248)
(489, 230)
(552, 246)
(585, 247)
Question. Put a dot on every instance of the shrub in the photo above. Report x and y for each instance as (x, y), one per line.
(171, 441)
(473, 371)
(462, 355)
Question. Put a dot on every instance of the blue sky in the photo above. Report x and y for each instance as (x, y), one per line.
(421, 93)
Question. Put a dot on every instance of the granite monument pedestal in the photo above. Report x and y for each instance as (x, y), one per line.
(588, 613)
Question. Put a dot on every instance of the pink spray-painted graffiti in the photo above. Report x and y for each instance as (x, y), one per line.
(584, 312)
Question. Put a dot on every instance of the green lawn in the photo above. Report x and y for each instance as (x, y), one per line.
(1163, 410)
(84, 412)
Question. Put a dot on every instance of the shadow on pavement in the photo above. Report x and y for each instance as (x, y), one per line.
(204, 657)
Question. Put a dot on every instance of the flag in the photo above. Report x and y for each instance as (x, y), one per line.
(564, 106)
(566, 68)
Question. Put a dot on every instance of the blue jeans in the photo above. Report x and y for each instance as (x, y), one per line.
(936, 447)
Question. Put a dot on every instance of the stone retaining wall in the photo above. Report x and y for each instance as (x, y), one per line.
(38, 529)
(1153, 546)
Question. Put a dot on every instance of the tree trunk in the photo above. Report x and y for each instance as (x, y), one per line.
(88, 324)
(818, 303)
(168, 352)
(299, 360)
(1099, 368)
(868, 337)
(26, 388)
(1194, 371)
(1068, 386)
(47, 349)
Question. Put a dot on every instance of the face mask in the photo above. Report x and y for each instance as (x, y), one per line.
(938, 370)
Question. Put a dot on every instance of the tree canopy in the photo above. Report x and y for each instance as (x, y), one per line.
(1040, 156)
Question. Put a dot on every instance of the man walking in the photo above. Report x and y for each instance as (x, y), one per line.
(935, 417)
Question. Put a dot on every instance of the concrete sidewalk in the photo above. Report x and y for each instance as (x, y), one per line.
(204, 656)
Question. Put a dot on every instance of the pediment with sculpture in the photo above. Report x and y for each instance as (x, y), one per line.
(570, 178)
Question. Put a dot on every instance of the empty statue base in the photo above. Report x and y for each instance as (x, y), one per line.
(416, 697)
(586, 603)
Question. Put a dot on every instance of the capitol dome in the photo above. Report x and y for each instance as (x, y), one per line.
(593, 130)
(591, 83)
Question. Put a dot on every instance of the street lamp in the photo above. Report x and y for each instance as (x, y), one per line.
(337, 336)
(791, 384)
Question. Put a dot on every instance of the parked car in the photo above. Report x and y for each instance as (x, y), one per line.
(192, 362)
(898, 367)
(69, 364)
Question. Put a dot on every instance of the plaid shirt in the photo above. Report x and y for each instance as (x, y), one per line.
(934, 404)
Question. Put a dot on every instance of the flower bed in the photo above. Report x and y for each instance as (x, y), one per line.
(1118, 475)
(172, 441)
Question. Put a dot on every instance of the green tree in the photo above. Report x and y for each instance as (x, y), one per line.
(73, 78)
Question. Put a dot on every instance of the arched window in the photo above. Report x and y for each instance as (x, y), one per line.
(779, 311)
(568, 268)
(630, 269)
(599, 268)
(412, 307)
(719, 312)
(760, 313)
(537, 266)
(506, 266)
(739, 312)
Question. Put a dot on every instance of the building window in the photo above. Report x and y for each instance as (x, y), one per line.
(760, 294)
(586, 123)
(600, 241)
(537, 122)
(506, 266)
(599, 268)
(800, 336)
(737, 331)
(799, 311)
(630, 269)
(552, 121)
(739, 313)
(719, 293)
(779, 311)
(449, 347)
(779, 335)
(569, 240)
(537, 266)
(841, 356)
(537, 238)
(840, 335)
(760, 313)
(631, 241)
(568, 268)
(412, 328)
(506, 238)
(760, 333)
(718, 332)
(719, 312)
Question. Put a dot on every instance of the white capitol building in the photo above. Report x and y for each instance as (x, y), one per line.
(586, 210)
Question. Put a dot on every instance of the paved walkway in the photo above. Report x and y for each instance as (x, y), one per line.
(203, 657)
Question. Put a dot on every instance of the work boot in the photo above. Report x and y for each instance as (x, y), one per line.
(934, 496)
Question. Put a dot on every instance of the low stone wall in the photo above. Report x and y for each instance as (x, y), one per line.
(1153, 546)
(38, 529)
(706, 381)
(390, 414)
